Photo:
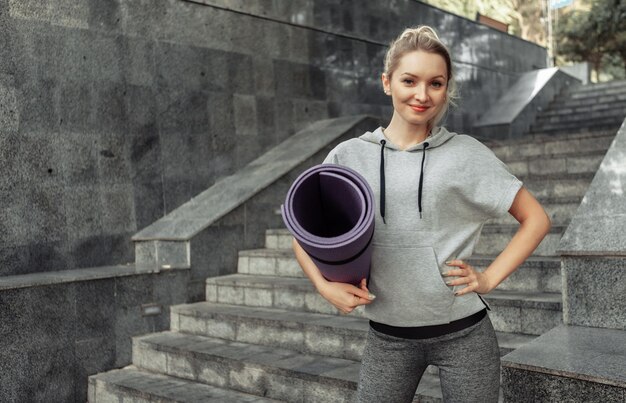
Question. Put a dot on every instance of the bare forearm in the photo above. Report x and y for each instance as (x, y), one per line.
(529, 235)
(344, 297)
(308, 266)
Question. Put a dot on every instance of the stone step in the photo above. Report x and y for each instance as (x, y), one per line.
(595, 92)
(495, 237)
(310, 333)
(567, 102)
(558, 187)
(616, 114)
(278, 238)
(577, 130)
(599, 123)
(581, 163)
(298, 294)
(568, 364)
(585, 91)
(582, 111)
(542, 146)
(272, 372)
(535, 274)
(570, 134)
(520, 312)
(614, 120)
(133, 385)
(605, 96)
(339, 336)
(533, 138)
(557, 176)
(269, 262)
(291, 293)
(594, 86)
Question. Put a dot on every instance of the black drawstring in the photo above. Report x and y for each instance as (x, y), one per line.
(382, 179)
(419, 197)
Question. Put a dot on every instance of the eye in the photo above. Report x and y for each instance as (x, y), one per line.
(437, 84)
(407, 80)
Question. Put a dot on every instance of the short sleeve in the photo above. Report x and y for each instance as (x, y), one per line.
(331, 158)
(509, 189)
(493, 186)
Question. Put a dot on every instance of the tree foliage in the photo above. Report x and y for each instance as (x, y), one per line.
(589, 36)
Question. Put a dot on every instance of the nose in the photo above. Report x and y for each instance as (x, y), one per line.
(421, 93)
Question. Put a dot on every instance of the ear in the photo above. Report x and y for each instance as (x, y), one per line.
(385, 81)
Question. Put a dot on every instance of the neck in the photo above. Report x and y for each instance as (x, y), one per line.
(406, 135)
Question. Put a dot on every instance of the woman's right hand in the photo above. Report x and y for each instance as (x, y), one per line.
(346, 297)
(343, 296)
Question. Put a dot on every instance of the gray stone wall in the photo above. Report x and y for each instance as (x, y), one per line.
(114, 113)
(54, 335)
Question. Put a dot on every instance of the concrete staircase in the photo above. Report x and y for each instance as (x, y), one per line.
(588, 108)
(265, 333)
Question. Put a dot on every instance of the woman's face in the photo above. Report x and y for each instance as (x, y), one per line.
(418, 86)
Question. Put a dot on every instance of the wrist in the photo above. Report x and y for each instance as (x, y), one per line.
(321, 284)
(492, 283)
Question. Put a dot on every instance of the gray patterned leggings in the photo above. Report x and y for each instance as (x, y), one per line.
(468, 361)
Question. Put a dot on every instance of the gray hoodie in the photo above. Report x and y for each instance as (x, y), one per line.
(432, 201)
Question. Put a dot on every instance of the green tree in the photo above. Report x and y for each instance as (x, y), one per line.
(578, 39)
(589, 36)
(616, 27)
(619, 47)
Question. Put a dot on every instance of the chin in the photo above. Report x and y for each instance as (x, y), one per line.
(421, 121)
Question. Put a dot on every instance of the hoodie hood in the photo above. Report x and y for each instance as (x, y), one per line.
(438, 136)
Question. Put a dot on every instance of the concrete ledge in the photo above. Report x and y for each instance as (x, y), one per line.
(512, 115)
(594, 289)
(71, 276)
(598, 227)
(527, 386)
(592, 358)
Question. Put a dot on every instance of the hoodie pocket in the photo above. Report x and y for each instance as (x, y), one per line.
(408, 285)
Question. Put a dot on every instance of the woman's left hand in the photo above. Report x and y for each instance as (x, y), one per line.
(476, 281)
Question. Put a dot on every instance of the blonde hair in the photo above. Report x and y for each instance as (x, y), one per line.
(423, 38)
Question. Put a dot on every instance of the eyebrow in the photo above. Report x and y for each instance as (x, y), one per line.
(417, 76)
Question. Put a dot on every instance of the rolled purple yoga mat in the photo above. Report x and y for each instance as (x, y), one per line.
(329, 209)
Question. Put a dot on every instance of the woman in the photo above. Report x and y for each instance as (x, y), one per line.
(435, 191)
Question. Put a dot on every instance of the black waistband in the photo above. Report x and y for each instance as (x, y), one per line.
(424, 332)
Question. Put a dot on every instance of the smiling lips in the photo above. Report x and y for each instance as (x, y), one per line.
(419, 108)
